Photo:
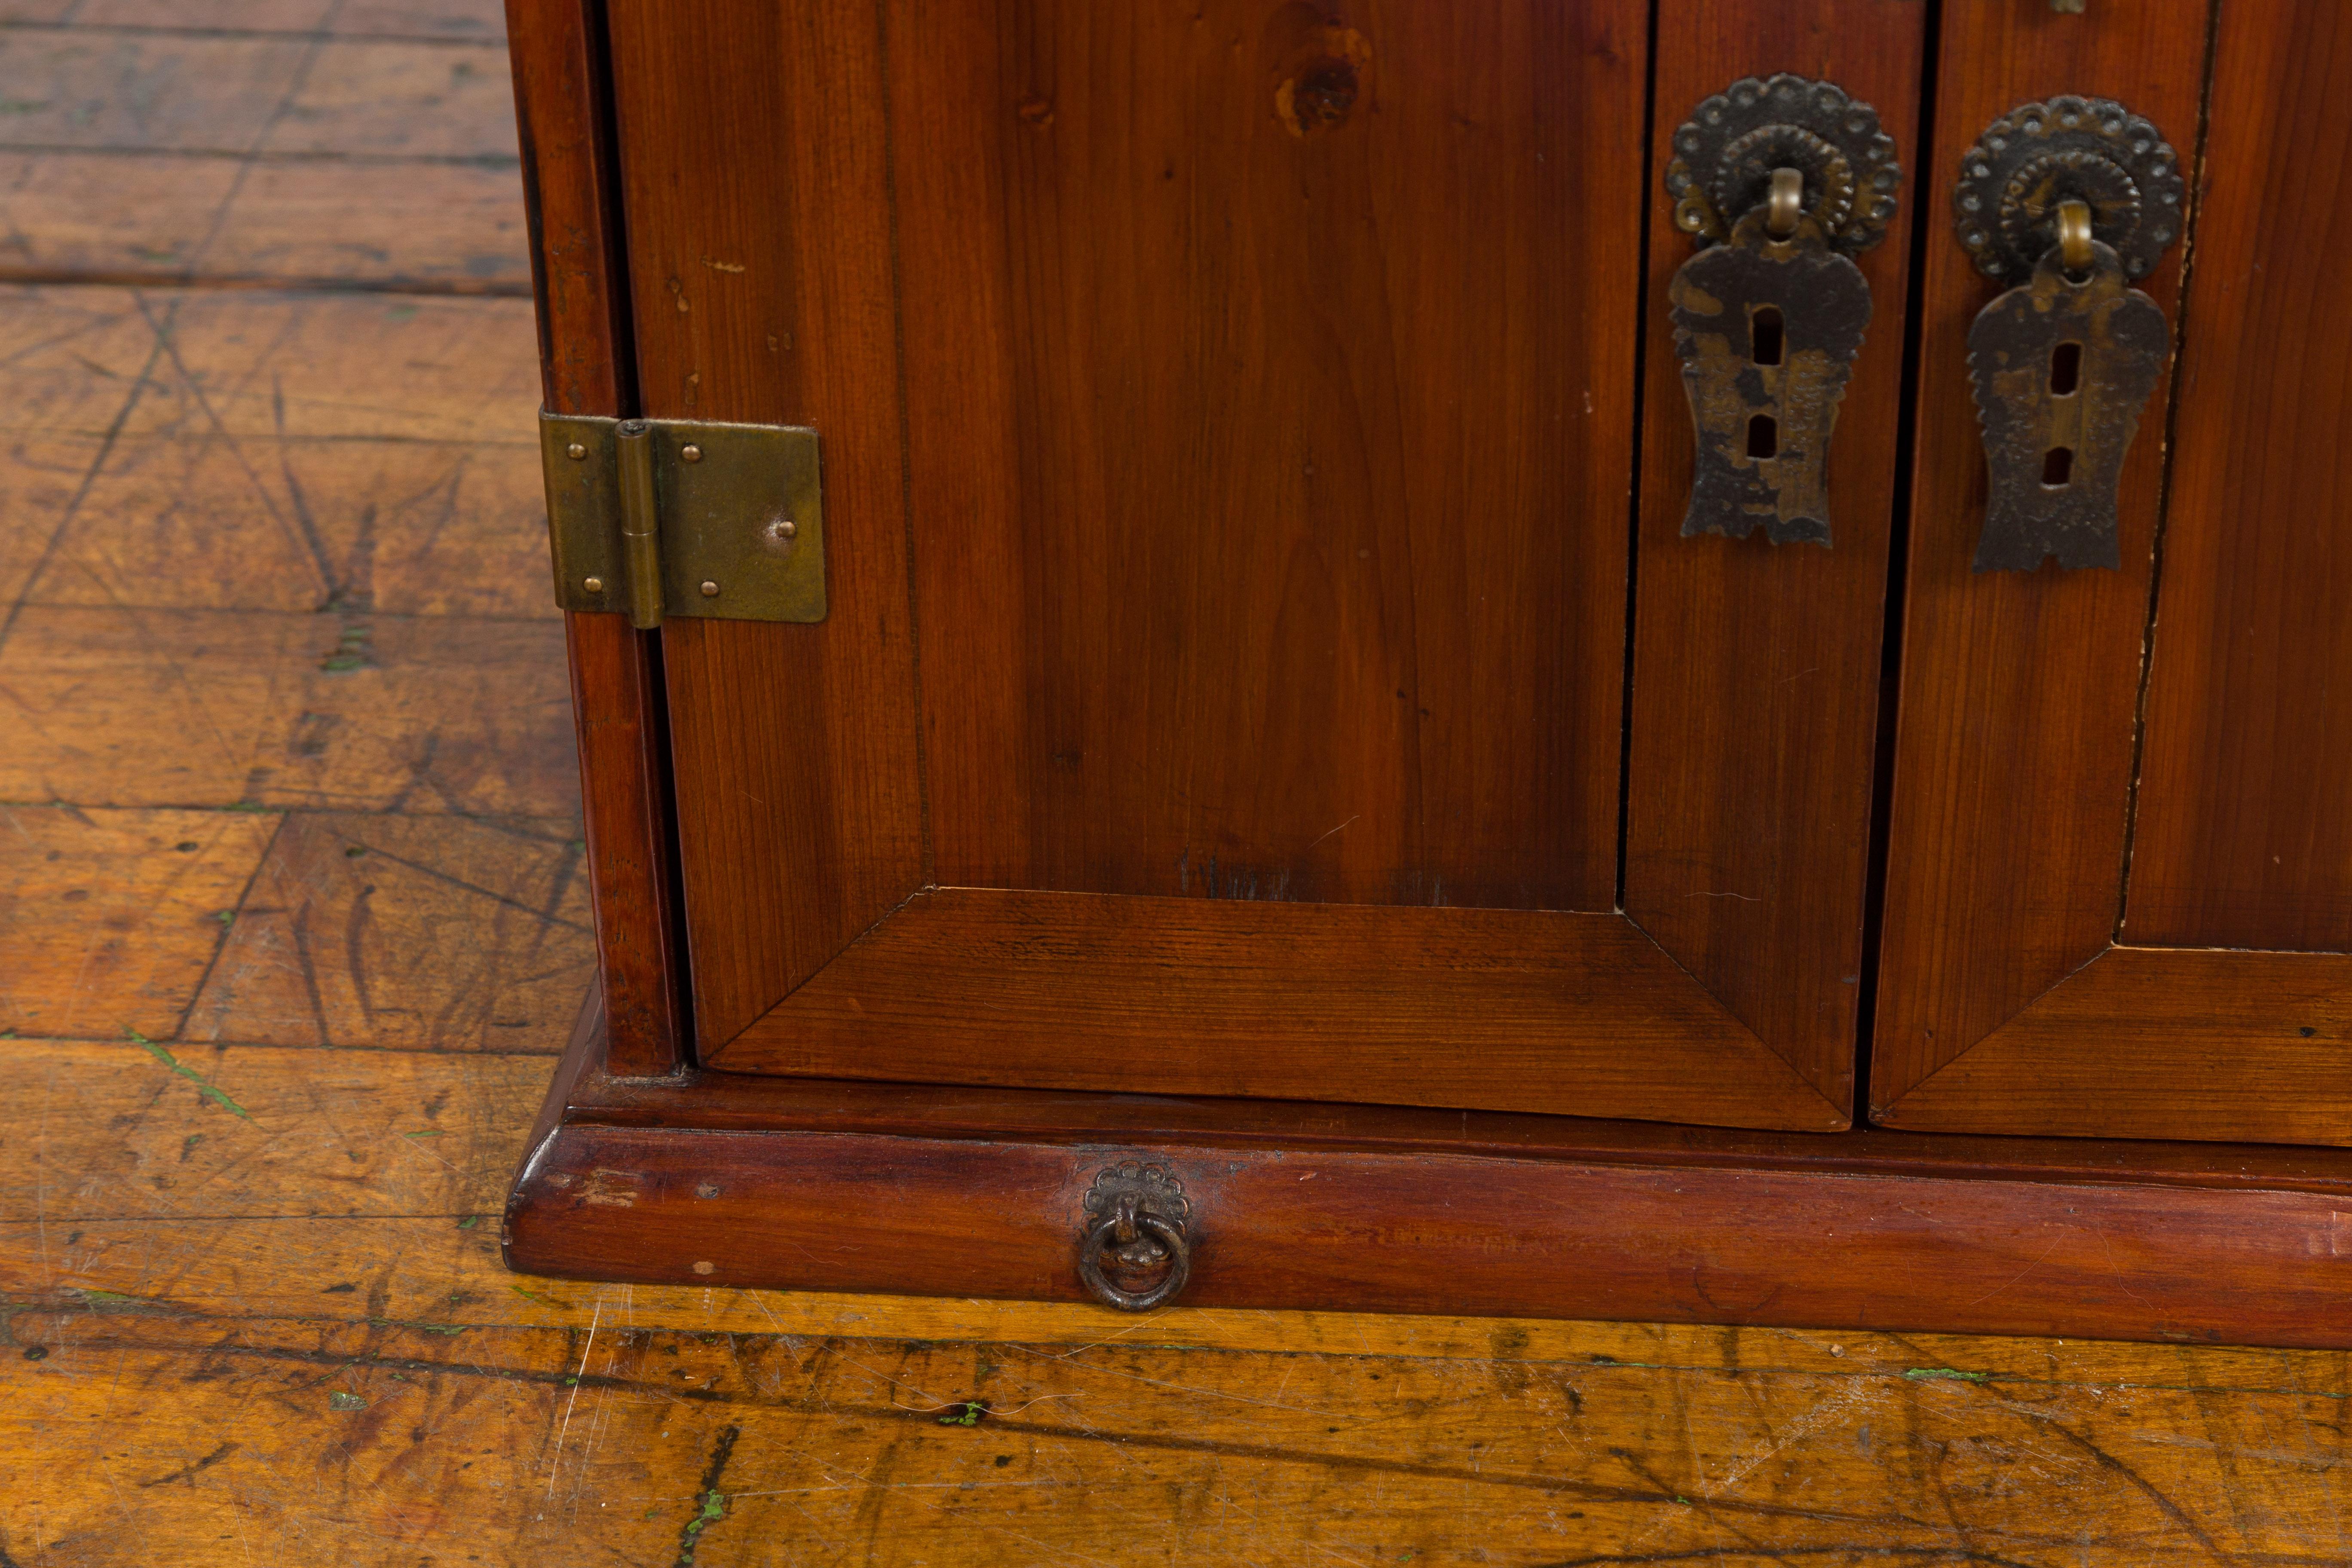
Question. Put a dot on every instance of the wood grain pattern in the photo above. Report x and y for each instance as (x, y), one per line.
(413, 20)
(1755, 668)
(1497, 1009)
(1269, 435)
(188, 520)
(168, 1269)
(563, 128)
(425, 933)
(190, 1340)
(344, 711)
(1352, 636)
(339, 1133)
(855, 1450)
(1380, 1231)
(563, 114)
(1687, 1224)
(110, 920)
(2242, 838)
(747, 1102)
(759, 248)
(429, 227)
(2014, 752)
(626, 814)
(234, 157)
(2163, 1043)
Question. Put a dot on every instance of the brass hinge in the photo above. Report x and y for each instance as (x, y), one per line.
(684, 517)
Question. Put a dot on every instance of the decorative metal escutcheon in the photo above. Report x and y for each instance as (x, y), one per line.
(1781, 183)
(2066, 201)
(1135, 1253)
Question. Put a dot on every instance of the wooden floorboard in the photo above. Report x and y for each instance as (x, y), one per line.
(335, 143)
(292, 916)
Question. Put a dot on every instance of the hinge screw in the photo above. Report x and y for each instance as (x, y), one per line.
(710, 589)
(692, 454)
(576, 451)
(594, 584)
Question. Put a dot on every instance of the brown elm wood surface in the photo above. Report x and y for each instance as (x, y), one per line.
(1269, 429)
(203, 1284)
(1276, 676)
(2242, 838)
(1265, 469)
(1755, 667)
(1564, 1235)
(2014, 787)
(760, 253)
(2163, 1043)
(2014, 743)
(1499, 1009)
(586, 366)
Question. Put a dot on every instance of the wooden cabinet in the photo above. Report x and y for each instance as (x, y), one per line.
(2119, 893)
(1268, 725)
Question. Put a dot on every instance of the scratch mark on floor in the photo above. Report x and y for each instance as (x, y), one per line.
(556, 1463)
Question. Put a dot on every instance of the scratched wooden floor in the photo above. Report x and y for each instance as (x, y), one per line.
(291, 923)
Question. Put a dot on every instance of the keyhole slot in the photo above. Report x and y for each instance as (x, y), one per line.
(2058, 468)
(2065, 369)
(1766, 334)
(1763, 436)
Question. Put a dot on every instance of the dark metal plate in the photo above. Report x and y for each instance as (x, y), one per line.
(1764, 413)
(2061, 369)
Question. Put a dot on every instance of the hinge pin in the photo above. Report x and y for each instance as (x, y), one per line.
(640, 522)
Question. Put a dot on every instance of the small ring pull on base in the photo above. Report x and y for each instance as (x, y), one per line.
(1137, 1214)
(1101, 1238)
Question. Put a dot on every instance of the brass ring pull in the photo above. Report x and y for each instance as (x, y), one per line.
(1123, 1228)
(2074, 236)
(1786, 203)
(1138, 1216)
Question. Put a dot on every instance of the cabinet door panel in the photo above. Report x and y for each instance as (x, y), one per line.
(755, 184)
(1268, 456)
(2244, 838)
(1755, 666)
(1229, 422)
(2036, 980)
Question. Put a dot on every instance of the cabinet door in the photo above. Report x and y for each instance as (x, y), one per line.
(2120, 889)
(1242, 630)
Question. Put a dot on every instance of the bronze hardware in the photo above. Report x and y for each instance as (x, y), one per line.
(1136, 1217)
(2064, 200)
(633, 447)
(1786, 204)
(2074, 236)
(1780, 183)
(684, 516)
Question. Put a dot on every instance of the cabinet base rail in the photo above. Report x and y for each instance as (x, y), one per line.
(766, 1182)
